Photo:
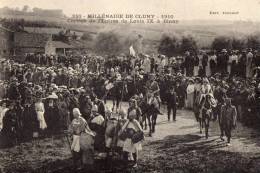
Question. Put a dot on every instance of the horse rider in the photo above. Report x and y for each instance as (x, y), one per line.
(153, 87)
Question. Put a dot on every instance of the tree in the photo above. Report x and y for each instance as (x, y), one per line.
(188, 44)
(86, 36)
(108, 43)
(61, 37)
(221, 42)
(25, 8)
(253, 42)
(169, 46)
(238, 44)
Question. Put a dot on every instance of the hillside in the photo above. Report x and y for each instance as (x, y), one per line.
(204, 31)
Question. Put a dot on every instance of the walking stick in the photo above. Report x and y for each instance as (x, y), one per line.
(68, 140)
(116, 130)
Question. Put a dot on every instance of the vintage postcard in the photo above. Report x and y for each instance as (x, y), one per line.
(130, 86)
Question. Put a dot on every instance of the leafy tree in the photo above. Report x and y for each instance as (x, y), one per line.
(221, 42)
(108, 43)
(188, 44)
(25, 8)
(169, 46)
(253, 42)
(87, 36)
(238, 44)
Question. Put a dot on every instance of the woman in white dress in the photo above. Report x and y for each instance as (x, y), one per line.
(131, 126)
(196, 65)
(190, 94)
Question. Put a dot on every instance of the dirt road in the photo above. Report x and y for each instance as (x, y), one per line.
(175, 147)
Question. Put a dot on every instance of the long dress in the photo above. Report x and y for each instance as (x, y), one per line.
(129, 146)
(229, 64)
(249, 58)
(83, 140)
(190, 96)
(39, 107)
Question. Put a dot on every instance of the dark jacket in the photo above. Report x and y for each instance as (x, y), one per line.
(171, 100)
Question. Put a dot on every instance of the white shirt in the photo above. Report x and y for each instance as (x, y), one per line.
(2, 114)
(190, 88)
(98, 120)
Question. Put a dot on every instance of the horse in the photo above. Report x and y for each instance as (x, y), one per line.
(143, 106)
(116, 90)
(152, 111)
(206, 103)
(196, 110)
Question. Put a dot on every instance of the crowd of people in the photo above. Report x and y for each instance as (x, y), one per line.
(48, 95)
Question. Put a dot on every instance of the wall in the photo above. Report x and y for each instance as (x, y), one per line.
(6, 40)
(49, 49)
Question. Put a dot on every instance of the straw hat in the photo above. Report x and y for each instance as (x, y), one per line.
(76, 111)
(52, 96)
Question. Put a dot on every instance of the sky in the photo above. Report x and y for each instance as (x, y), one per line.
(181, 9)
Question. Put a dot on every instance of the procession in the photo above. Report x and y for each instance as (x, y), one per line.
(49, 95)
(129, 86)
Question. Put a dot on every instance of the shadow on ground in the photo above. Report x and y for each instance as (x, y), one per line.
(188, 154)
(175, 154)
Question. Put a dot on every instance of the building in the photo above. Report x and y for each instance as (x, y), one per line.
(71, 34)
(30, 43)
(6, 42)
(57, 48)
(38, 41)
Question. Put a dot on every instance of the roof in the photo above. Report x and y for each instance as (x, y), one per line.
(80, 44)
(30, 40)
(5, 29)
(60, 44)
(42, 30)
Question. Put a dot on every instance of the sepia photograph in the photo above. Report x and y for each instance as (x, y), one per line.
(129, 86)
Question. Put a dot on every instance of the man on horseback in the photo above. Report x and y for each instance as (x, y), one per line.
(206, 112)
(153, 87)
(206, 103)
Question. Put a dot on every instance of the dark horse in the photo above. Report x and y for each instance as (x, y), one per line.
(203, 111)
(151, 107)
(117, 93)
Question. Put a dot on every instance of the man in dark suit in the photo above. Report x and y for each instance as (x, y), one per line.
(228, 119)
(171, 104)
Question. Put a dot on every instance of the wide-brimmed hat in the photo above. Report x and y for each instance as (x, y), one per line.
(223, 50)
(52, 96)
(76, 111)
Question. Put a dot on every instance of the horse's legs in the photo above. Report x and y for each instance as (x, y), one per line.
(200, 123)
(113, 100)
(207, 127)
(154, 118)
(149, 123)
(117, 102)
(143, 122)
